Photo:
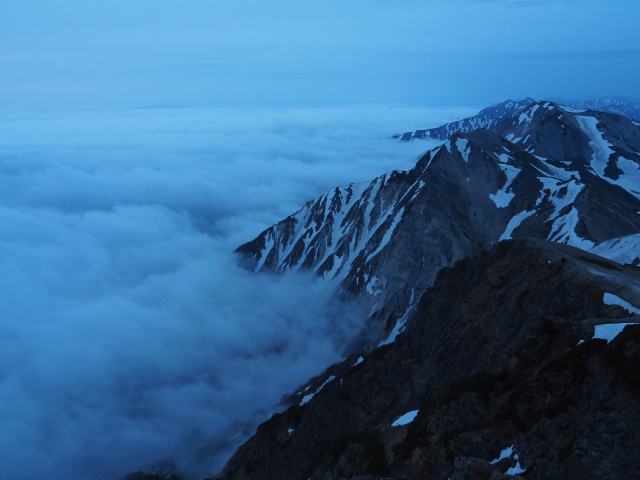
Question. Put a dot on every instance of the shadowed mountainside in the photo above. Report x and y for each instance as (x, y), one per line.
(498, 353)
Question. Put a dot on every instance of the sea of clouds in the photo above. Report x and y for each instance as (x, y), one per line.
(130, 335)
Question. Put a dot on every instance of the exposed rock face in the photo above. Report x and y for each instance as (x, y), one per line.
(550, 172)
(497, 353)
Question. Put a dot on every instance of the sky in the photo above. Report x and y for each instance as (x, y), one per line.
(77, 54)
(142, 142)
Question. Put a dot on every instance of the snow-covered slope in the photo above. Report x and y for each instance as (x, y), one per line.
(550, 172)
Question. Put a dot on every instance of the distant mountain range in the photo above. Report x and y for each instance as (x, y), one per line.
(501, 281)
(491, 116)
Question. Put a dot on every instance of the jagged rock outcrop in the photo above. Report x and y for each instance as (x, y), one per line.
(550, 172)
(499, 373)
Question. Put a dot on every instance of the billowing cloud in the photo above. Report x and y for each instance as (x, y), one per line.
(130, 335)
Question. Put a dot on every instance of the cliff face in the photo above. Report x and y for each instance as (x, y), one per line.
(498, 353)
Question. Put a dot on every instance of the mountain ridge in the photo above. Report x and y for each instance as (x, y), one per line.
(547, 172)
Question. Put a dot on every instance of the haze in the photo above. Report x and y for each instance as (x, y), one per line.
(72, 54)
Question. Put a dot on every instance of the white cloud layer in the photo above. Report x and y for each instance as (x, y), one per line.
(129, 333)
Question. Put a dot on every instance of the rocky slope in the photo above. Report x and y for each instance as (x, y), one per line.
(550, 172)
(500, 370)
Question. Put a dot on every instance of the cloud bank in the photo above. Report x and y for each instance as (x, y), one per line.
(130, 335)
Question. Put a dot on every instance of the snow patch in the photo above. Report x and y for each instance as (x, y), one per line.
(359, 361)
(400, 324)
(630, 178)
(290, 431)
(571, 109)
(463, 147)
(621, 250)
(510, 452)
(269, 242)
(503, 196)
(611, 299)
(335, 267)
(527, 116)
(504, 158)
(405, 419)
(387, 235)
(515, 470)
(515, 222)
(609, 331)
(563, 227)
(371, 287)
(505, 453)
(308, 397)
(601, 148)
(563, 231)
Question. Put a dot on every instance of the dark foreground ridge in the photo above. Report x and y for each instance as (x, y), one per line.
(498, 360)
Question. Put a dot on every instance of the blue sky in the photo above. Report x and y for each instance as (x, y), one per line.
(73, 54)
